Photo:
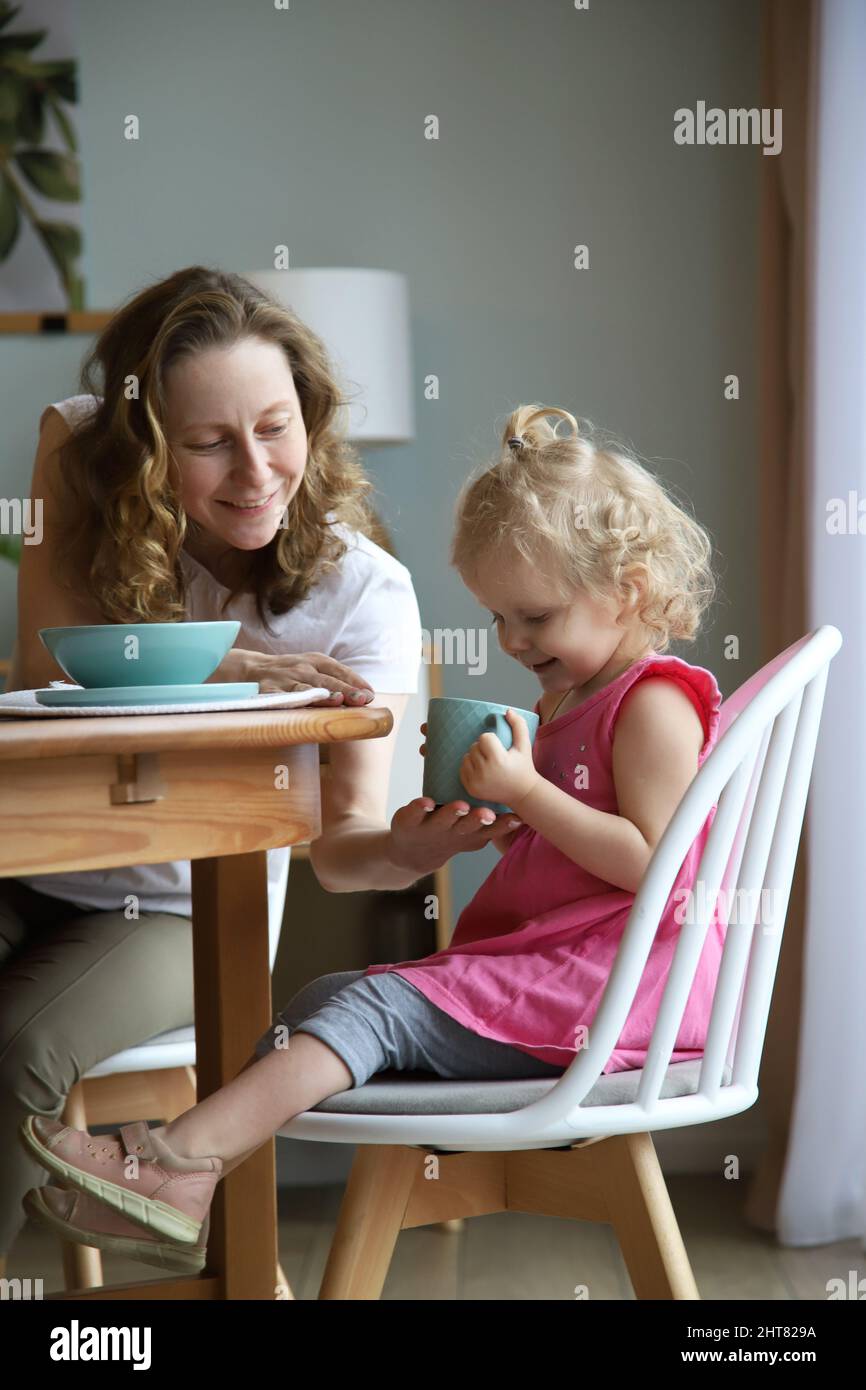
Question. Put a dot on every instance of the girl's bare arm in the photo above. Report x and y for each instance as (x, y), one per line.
(657, 739)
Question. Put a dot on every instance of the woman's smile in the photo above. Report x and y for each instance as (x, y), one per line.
(252, 508)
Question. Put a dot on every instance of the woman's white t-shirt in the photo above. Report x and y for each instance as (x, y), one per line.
(363, 613)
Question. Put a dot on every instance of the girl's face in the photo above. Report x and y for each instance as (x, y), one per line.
(235, 430)
(565, 642)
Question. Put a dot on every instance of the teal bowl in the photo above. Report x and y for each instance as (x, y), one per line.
(140, 653)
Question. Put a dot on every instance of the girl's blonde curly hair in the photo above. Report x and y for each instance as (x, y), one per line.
(589, 515)
(125, 525)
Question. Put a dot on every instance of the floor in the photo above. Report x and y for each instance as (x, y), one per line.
(512, 1256)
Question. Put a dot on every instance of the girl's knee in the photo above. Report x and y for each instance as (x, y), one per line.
(314, 994)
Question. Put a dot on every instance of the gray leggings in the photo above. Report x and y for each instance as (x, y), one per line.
(380, 1022)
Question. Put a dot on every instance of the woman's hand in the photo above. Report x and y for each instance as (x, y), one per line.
(276, 672)
(425, 836)
(502, 841)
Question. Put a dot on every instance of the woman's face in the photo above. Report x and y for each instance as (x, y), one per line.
(235, 430)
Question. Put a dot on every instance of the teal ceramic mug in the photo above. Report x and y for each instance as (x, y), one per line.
(453, 725)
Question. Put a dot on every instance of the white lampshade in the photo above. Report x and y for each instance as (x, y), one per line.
(362, 316)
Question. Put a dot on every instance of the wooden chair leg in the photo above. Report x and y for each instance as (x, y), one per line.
(643, 1219)
(177, 1092)
(284, 1288)
(82, 1264)
(370, 1220)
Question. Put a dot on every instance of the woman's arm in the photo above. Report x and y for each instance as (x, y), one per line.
(657, 739)
(42, 601)
(351, 854)
(357, 849)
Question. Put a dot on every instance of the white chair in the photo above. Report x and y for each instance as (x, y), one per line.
(580, 1145)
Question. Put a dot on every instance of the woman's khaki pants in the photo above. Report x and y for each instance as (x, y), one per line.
(76, 986)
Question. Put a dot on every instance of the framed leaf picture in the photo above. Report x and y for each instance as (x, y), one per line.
(40, 184)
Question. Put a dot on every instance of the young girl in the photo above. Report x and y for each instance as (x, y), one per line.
(589, 569)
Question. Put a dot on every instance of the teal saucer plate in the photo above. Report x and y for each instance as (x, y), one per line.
(219, 692)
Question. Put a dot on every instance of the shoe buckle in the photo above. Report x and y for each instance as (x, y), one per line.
(136, 1141)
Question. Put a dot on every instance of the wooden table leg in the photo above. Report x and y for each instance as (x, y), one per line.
(232, 1011)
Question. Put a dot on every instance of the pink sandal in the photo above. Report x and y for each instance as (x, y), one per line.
(134, 1172)
(76, 1216)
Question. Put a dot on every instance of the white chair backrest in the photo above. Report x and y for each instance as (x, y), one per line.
(757, 776)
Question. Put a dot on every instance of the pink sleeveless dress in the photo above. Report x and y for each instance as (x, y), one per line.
(532, 951)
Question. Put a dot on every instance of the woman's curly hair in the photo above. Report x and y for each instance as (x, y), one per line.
(584, 511)
(125, 525)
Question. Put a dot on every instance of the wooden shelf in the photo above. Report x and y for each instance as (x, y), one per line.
(83, 321)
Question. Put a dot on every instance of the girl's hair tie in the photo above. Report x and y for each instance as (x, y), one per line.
(516, 442)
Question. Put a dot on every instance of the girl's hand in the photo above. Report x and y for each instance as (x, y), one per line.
(276, 672)
(494, 773)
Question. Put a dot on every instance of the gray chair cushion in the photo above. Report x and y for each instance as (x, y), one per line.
(420, 1093)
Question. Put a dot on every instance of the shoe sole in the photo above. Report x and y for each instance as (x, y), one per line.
(146, 1211)
(147, 1251)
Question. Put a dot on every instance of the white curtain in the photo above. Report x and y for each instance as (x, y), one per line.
(823, 1195)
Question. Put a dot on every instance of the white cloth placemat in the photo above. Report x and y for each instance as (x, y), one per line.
(20, 703)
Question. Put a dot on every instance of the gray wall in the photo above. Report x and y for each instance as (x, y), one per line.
(306, 127)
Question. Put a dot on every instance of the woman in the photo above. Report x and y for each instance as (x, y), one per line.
(200, 476)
